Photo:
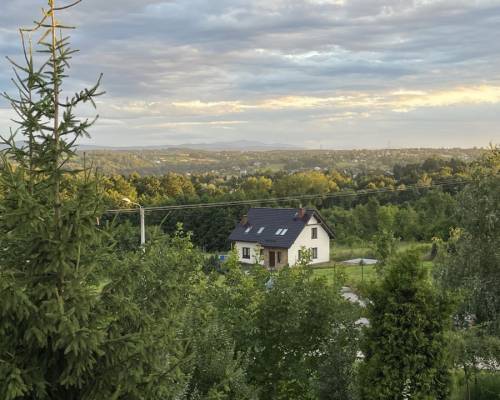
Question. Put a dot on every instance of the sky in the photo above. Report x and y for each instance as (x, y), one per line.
(313, 73)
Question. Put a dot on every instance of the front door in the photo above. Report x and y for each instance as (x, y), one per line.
(272, 259)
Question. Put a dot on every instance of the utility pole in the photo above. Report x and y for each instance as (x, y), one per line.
(142, 216)
(143, 225)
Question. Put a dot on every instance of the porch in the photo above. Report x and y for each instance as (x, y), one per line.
(275, 257)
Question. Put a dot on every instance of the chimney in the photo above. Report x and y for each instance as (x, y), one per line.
(302, 212)
(244, 220)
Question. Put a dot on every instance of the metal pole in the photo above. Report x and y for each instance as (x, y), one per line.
(143, 226)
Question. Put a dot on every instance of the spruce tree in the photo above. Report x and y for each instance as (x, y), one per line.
(50, 334)
(405, 344)
(76, 321)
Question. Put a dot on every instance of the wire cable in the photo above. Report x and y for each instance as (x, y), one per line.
(288, 198)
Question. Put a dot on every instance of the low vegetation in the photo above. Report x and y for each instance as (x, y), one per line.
(87, 313)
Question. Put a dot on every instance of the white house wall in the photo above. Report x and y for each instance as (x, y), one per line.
(305, 240)
(254, 251)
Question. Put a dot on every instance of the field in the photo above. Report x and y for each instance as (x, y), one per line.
(356, 275)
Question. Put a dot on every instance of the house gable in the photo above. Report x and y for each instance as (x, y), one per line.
(280, 228)
(319, 241)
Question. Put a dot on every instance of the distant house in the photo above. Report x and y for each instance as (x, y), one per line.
(276, 236)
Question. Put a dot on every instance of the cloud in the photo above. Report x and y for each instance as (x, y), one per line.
(211, 107)
(400, 99)
(283, 67)
(462, 95)
(182, 124)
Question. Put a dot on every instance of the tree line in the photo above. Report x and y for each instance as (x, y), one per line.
(83, 316)
(417, 214)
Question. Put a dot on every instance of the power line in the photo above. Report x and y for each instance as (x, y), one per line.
(288, 198)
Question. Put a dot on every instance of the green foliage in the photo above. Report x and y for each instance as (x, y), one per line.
(469, 264)
(470, 260)
(303, 323)
(148, 297)
(485, 386)
(294, 327)
(384, 247)
(405, 344)
(82, 317)
(52, 330)
(337, 374)
(341, 165)
(88, 314)
(414, 215)
(218, 370)
(305, 257)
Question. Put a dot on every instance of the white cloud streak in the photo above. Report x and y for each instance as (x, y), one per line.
(276, 70)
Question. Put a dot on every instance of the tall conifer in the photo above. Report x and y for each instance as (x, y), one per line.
(50, 334)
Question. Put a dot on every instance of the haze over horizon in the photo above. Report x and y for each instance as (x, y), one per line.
(310, 73)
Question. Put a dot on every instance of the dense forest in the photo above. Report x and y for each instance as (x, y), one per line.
(86, 313)
(414, 201)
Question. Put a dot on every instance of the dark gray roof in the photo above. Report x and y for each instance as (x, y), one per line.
(272, 219)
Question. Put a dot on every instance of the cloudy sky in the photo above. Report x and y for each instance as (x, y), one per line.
(315, 73)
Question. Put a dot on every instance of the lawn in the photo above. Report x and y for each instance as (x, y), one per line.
(341, 252)
(354, 274)
(357, 274)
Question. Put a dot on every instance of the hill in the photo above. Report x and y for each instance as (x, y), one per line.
(158, 161)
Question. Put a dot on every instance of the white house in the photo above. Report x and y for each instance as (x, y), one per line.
(276, 236)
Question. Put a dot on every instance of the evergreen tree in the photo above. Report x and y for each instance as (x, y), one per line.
(404, 346)
(77, 320)
(50, 334)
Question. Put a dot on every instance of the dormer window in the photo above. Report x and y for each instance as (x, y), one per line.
(248, 229)
(261, 229)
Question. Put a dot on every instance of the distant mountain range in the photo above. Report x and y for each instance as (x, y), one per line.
(240, 145)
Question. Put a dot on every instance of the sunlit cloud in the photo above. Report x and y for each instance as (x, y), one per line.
(465, 95)
(400, 100)
(210, 107)
(358, 71)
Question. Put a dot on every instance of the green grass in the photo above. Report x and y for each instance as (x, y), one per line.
(484, 386)
(357, 275)
(344, 252)
(354, 274)
(341, 252)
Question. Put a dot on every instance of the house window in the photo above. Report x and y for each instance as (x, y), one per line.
(314, 233)
(300, 254)
(284, 231)
(246, 252)
(278, 257)
(261, 229)
(278, 232)
(248, 229)
(314, 253)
